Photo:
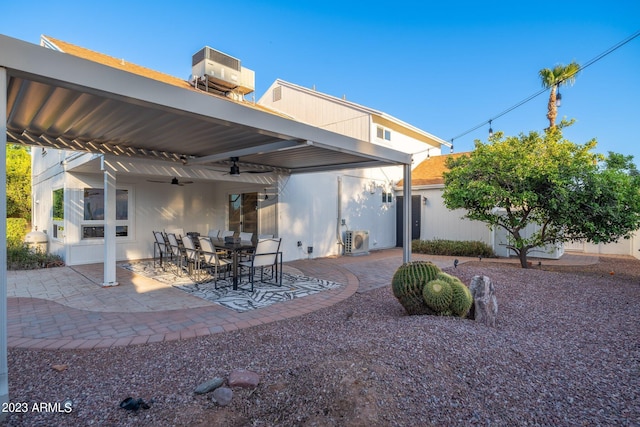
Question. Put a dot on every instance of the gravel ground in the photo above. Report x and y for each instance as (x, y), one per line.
(565, 352)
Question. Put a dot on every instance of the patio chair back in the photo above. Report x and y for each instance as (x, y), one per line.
(209, 254)
(210, 259)
(246, 237)
(226, 233)
(213, 234)
(266, 252)
(161, 246)
(174, 245)
(161, 242)
(190, 249)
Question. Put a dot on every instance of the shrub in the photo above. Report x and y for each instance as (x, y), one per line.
(16, 231)
(21, 257)
(471, 248)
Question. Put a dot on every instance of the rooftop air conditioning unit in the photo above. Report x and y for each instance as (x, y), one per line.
(356, 243)
(222, 71)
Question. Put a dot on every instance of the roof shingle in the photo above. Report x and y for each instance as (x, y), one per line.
(431, 170)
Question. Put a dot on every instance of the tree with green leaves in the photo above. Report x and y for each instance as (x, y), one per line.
(563, 189)
(18, 182)
(553, 78)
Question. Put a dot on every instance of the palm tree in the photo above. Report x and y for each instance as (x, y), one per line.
(560, 75)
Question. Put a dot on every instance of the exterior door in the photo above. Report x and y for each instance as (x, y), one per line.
(416, 218)
(243, 212)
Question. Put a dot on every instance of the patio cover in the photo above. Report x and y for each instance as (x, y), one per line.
(52, 99)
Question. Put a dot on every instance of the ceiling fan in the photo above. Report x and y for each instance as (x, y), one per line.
(174, 181)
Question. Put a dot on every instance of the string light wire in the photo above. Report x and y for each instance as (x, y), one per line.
(540, 92)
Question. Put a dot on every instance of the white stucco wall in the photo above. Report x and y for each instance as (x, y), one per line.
(621, 247)
(308, 212)
(438, 222)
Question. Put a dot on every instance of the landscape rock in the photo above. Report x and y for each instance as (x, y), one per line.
(485, 302)
(207, 386)
(222, 396)
(243, 378)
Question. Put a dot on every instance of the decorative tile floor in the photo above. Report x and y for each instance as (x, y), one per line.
(241, 300)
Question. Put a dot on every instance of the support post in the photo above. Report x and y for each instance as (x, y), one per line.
(4, 368)
(109, 224)
(406, 221)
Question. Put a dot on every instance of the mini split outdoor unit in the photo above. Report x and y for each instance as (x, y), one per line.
(356, 242)
(222, 71)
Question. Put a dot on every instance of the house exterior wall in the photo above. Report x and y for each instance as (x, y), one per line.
(313, 206)
(199, 207)
(438, 222)
(621, 247)
(308, 208)
(318, 110)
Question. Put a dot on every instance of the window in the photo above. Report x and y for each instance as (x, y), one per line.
(58, 213)
(58, 205)
(383, 133)
(93, 213)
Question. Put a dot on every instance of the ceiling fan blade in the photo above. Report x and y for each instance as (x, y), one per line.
(159, 182)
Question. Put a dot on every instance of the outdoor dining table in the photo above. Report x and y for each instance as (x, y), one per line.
(236, 248)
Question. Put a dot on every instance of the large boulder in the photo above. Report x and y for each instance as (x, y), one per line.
(485, 308)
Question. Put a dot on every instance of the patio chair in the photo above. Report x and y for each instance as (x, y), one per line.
(192, 258)
(213, 234)
(177, 253)
(246, 236)
(267, 256)
(211, 261)
(161, 248)
(179, 232)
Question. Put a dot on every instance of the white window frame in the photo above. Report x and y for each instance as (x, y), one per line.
(57, 226)
(100, 223)
(383, 133)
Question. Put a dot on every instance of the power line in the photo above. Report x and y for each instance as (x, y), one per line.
(540, 92)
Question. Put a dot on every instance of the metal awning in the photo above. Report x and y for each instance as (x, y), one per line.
(61, 101)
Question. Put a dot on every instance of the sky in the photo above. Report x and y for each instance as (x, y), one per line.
(444, 67)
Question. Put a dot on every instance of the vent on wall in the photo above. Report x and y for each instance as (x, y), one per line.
(356, 242)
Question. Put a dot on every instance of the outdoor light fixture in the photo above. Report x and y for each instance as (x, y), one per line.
(235, 169)
(490, 130)
(558, 98)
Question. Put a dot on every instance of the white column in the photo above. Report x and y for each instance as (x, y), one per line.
(109, 224)
(406, 221)
(4, 369)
